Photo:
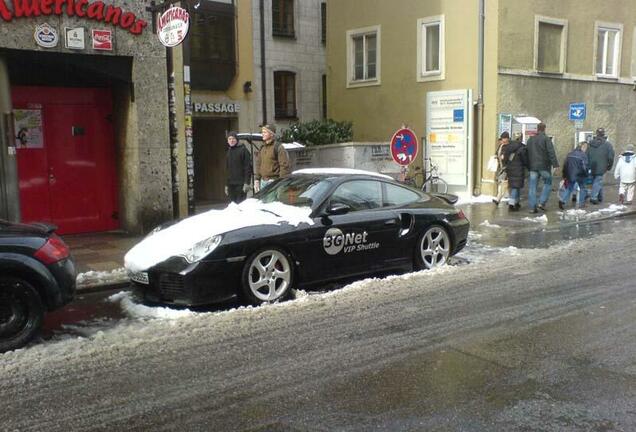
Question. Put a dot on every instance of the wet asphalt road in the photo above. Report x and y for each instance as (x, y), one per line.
(539, 340)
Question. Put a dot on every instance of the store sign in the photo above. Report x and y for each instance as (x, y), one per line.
(46, 36)
(217, 108)
(448, 132)
(97, 11)
(172, 26)
(102, 40)
(74, 38)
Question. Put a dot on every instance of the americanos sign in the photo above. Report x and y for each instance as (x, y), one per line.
(97, 11)
(173, 26)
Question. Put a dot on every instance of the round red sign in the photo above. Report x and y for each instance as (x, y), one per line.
(172, 26)
(404, 146)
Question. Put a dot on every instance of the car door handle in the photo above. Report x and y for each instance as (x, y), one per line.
(391, 222)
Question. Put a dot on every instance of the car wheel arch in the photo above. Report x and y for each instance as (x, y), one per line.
(35, 274)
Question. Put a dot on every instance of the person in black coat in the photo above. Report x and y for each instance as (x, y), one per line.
(516, 161)
(239, 169)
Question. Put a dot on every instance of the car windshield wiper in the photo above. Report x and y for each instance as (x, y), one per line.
(269, 211)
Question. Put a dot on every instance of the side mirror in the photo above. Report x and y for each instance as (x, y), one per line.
(338, 209)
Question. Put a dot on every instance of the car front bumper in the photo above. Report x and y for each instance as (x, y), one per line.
(205, 282)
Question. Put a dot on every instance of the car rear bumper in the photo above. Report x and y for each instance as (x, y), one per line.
(199, 284)
(460, 234)
(65, 274)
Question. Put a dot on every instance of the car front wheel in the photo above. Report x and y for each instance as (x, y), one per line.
(267, 276)
(21, 313)
(433, 248)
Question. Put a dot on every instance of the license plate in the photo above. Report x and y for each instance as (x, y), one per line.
(139, 277)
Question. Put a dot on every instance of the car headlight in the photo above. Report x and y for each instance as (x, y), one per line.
(201, 249)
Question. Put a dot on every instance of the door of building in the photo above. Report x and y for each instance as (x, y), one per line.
(210, 147)
(66, 158)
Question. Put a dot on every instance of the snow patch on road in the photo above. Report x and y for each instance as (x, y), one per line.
(489, 225)
(140, 311)
(582, 215)
(541, 219)
(91, 278)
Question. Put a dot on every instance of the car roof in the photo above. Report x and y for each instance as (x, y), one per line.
(338, 172)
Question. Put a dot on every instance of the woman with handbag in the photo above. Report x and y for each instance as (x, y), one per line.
(501, 176)
(516, 161)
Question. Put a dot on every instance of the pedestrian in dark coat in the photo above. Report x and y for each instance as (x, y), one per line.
(516, 161)
(239, 169)
(541, 161)
(600, 153)
(574, 173)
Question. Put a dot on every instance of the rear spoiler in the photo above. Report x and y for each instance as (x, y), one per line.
(449, 198)
(48, 228)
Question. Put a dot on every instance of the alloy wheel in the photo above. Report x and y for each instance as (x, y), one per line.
(269, 275)
(434, 247)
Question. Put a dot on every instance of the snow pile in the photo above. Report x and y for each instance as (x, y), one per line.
(340, 171)
(102, 277)
(139, 311)
(540, 219)
(179, 238)
(580, 214)
(465, 198)
(489, 225)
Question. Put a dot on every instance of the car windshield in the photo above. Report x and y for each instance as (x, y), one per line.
(299, 191)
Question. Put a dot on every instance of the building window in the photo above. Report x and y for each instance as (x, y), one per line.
(285, 95)
(211, 46)
(608, 50)
(430, 48)
(363, 56)
(550, 42)
(323, 22)
(283, 18)
(324, 96)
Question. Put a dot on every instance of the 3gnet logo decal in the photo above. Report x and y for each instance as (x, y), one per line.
(336, 241)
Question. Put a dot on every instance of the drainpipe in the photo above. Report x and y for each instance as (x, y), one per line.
(480, 100)
(9, 195)
(263, 69)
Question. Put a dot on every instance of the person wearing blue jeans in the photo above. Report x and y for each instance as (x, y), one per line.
(600, 153)
(574, 172)
(533, 182)
(541, 161)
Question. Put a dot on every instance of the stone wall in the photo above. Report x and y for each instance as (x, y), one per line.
(141, 113)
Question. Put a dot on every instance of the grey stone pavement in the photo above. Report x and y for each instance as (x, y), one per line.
(100, 256)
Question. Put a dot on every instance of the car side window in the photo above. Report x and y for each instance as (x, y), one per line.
(359, 194)
(398, 195)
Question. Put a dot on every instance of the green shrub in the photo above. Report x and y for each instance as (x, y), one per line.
(319, 132)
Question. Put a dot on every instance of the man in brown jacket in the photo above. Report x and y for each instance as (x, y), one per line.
(272, 161)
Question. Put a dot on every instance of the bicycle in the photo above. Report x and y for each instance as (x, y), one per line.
(433, 183)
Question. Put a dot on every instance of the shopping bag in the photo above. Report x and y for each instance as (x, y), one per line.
(492, 164)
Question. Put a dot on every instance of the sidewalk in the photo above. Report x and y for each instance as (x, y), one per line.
(100, 256)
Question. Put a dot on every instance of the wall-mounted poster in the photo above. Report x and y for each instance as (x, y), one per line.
(28, 128)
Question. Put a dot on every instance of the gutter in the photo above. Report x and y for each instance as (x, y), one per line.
(263, 68)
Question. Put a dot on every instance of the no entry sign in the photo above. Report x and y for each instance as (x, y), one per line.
(404, 146)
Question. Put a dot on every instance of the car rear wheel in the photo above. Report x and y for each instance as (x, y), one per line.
(433, 248)
(267, 276)
(21, 313)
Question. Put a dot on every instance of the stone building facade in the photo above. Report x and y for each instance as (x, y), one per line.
(88, 89)
(292, 42)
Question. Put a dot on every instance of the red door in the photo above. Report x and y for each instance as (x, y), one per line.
(67, 169)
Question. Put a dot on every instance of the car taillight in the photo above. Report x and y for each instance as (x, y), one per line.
(53, 250)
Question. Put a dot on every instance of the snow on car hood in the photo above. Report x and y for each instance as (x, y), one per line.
(176, 239)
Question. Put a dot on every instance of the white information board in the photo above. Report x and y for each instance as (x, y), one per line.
(449, 135)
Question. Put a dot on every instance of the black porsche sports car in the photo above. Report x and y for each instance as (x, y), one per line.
(308, 228)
